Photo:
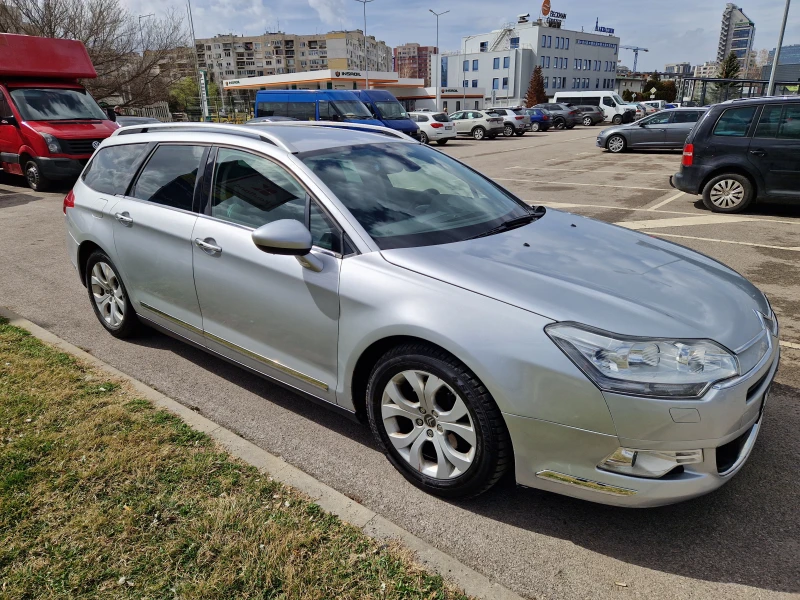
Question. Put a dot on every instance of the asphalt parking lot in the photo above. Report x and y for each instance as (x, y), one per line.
(742, 541)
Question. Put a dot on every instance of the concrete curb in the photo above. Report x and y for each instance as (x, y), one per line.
(371, 523)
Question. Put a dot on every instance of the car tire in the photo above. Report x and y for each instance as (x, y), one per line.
(442, 142)
(519, 133)
(728, 193)
(616, 144)
(617, 120)
(34, 178)
(423, 138)
(571, 126)
(559, 123)
(587, 122)
(534, 126)
(458, 456)
(479, 133)
(508, 130)
(109, 297)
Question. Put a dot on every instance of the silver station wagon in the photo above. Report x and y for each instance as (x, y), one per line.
(479, 337)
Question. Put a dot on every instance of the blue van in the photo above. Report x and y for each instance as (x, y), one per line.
(313, 105)
(385, 107)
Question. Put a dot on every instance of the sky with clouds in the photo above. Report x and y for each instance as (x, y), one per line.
(673, 31)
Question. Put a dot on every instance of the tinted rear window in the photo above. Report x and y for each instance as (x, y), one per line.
(111, 169)
(441, 118)
(169, 176)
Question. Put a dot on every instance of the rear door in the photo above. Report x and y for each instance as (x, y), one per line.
(679, 127)
(729, 141)
(153, 238)
(775, 149)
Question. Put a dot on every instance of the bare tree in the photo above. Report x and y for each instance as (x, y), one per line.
(135, 60)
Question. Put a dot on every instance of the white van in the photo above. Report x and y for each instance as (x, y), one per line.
(613, 106)
(657, 104)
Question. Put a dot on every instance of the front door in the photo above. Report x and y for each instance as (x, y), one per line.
(10, 139)
(267, 311)
(153, 238)
(775, 149)
(650, 132)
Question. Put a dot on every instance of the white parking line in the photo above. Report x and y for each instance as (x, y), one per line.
(790, 345)
(682, 221)
(621, 187)
(592, 170)
(702, 239)
(667, 201)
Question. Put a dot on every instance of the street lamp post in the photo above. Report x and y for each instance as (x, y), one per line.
(141, 35)
(464, 71)
(771, 86)
(366, 58)
(438, 67)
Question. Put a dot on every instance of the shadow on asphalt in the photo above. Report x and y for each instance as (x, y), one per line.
(747, 532)
(789, 208)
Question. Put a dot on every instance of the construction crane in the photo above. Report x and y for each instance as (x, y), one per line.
(635, 54)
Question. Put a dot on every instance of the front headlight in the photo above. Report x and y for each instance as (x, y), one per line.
(646, 367)
(52, 143)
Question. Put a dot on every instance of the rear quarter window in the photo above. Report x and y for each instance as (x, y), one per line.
(111, 169)
(735, 122)
(441, 118)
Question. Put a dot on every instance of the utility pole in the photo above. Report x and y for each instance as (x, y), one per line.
(141, 35)
(438, 67)
(366, 58)
(771, 86)
(200, 80)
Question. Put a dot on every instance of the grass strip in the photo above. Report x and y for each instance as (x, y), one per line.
(104, 496)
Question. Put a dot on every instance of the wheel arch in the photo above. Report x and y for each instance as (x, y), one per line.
(85, 250)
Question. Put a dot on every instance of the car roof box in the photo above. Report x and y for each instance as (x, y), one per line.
(29, 56)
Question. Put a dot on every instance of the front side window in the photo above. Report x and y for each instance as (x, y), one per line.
(51, 104)
(111, 169)
(417, 196)
(735, 122)
(169, 176)
(789, 128)
(608, 101)
(656, 119)
(252, 191)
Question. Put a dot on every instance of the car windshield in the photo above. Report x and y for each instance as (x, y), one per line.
(53, 104)
(391, 110)
(408, 195)
(351, 109)
(617, 99)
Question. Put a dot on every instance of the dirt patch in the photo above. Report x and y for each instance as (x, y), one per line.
(13, 199)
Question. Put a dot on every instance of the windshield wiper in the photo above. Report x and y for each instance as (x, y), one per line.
(512, 223)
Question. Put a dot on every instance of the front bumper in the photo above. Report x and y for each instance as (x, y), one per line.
(61, 168)
(564, 460)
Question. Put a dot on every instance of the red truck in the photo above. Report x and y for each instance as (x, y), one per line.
(49, 123)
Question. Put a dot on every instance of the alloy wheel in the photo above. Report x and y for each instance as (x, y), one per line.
(534, 126)
(727, 193)
(108, 294)
(423, 137)
(616, 144)
(478, 133)
(428, 424)
(587, 121)
(508, 131)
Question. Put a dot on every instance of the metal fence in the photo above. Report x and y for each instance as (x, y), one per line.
(706, 90)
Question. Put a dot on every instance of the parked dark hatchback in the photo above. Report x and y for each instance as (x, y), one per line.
(742, 151)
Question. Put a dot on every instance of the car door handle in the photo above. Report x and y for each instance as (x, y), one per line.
(208, 245)
(758, 152)
(124, 218)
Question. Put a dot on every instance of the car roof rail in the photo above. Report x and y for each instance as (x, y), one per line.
(334, 125)
(240, 130)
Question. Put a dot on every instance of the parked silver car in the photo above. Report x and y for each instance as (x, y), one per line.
(479, 124)
(387, 280)
(665, 129)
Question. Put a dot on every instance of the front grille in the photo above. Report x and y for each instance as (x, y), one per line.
(729, 453)
(77, 146)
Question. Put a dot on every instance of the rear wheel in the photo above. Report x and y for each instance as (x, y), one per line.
(587, 121)
(479, 133)
(616, 144)
(33, 176)
(441, 142)
(109, 297)
(534, 126)
(436, 422)
(508, 130)
(559, 123)
(423, 137)
(617, 120)
(729, 193)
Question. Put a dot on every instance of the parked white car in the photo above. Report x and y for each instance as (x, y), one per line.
(434, 127)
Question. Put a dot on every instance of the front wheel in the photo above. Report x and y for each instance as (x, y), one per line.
(441, 142)
(479, 133)
(617, 120)
(436, 422)
(423, 137)
(616, 144)
(33, 176)
(508, 130)
(108, 296)
(534, 126)
(587, 122)
(560, 124)
(728, 193)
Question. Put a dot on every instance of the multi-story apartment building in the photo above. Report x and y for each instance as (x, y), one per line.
(710, 68)
(503, 60)
(229, 56)
(790, 55)
(736, 35)
(413, 60)
(681, 68)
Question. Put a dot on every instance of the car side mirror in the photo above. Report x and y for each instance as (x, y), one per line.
(9, 120)
(289, 238)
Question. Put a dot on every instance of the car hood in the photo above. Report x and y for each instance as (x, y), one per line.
(78, 129)
(571, 268)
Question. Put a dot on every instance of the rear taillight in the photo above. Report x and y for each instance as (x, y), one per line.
(519, 118)
(545, 118)
(436, 125)
(69, 201)
(688, 155)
